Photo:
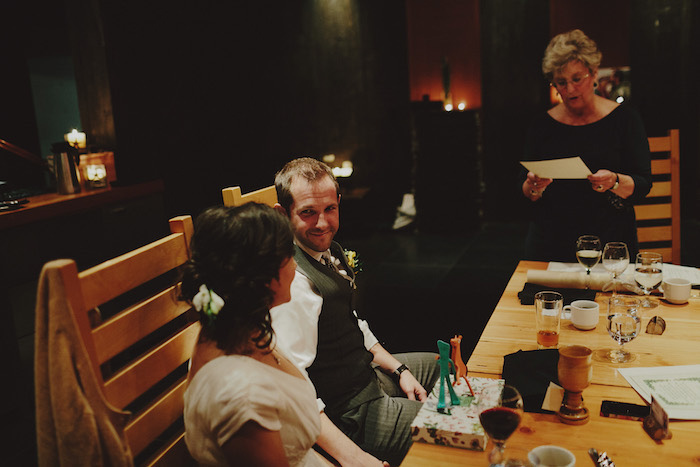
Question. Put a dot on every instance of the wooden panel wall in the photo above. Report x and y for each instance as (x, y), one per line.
(17, 117)
(514, 35)
(212, 95)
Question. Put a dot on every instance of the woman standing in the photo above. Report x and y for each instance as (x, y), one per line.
(610, 139)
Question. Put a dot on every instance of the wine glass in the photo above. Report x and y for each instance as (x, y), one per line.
(616, 258)
(500, 411)
(588, 252)
(624, 324)
(648, 275)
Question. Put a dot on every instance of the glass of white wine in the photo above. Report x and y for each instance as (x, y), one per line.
(616, 258)
(648, 273)
(624, 324)
(588, 252)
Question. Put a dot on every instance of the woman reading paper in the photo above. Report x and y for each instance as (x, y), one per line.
(608, 137)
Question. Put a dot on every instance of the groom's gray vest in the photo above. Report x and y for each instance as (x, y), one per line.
(342, 368)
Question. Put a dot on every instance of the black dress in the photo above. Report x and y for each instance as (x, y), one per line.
(571, 208)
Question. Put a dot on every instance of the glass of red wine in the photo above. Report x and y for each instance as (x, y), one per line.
(500, 411)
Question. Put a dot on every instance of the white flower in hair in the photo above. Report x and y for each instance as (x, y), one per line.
(207, 301)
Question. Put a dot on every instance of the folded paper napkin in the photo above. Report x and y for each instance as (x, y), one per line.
(527, 295)
(531, 371)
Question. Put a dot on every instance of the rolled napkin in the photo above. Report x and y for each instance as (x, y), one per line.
(570, 280)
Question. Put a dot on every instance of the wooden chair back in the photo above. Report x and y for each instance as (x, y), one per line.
(659, 216)
(234, 197)
(140, 352)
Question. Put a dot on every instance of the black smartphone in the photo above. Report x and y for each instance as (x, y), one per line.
(623, 410)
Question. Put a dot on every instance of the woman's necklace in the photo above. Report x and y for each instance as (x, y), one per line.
(274, 355)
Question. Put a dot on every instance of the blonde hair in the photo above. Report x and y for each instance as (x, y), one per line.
(567, 47)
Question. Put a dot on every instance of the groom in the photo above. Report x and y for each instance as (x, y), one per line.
(320, 330)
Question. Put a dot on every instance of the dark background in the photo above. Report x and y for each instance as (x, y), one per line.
(204, 95)
(209, 95)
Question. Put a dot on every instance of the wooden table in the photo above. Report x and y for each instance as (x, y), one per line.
(512, 328)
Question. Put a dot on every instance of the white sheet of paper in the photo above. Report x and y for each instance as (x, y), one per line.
(553, 397)
(567, 167)
(677, 388)
(685, 272)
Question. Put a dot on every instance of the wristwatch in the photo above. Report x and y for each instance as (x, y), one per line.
(617, 182)
(399, 370)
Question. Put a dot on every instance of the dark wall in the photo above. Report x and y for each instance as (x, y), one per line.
(17, 116)
(212, 95)
(665, 51)
(514, 35)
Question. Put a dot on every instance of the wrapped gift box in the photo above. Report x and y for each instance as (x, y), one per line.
(461, 428)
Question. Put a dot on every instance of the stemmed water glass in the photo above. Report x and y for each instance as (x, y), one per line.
(588, 252)
(500, 411)
(616, 258)
(648, 275)
(624, 324)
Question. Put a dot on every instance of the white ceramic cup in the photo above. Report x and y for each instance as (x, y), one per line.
(583, 314)
(676, 290)
(551, 456)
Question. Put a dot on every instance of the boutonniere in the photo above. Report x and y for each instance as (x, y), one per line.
(353, 261)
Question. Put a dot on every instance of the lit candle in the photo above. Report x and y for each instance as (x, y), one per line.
(76, 139)
(96, 175)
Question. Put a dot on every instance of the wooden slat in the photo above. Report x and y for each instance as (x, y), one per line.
(72, 289)
(659, 143)
(233, 197)
(666, 253)
(183, 225)
(136, 322)
(660, 166)
(654, 234)
(175, 453)
(652, 211)
(130, 382)
(119, 275)
(660, 189)
(157, 418)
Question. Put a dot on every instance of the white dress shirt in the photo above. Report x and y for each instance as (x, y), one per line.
(296, 322)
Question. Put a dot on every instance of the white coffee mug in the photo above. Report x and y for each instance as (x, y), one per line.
(583, 314)
(676, 290)
(551, 456)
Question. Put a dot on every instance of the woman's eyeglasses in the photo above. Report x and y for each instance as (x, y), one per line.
(576, 81)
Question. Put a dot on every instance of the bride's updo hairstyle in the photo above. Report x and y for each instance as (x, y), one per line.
(236, 253)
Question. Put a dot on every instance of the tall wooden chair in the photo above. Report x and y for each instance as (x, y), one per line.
(659, 216)
(234, 197)
(140, 344)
